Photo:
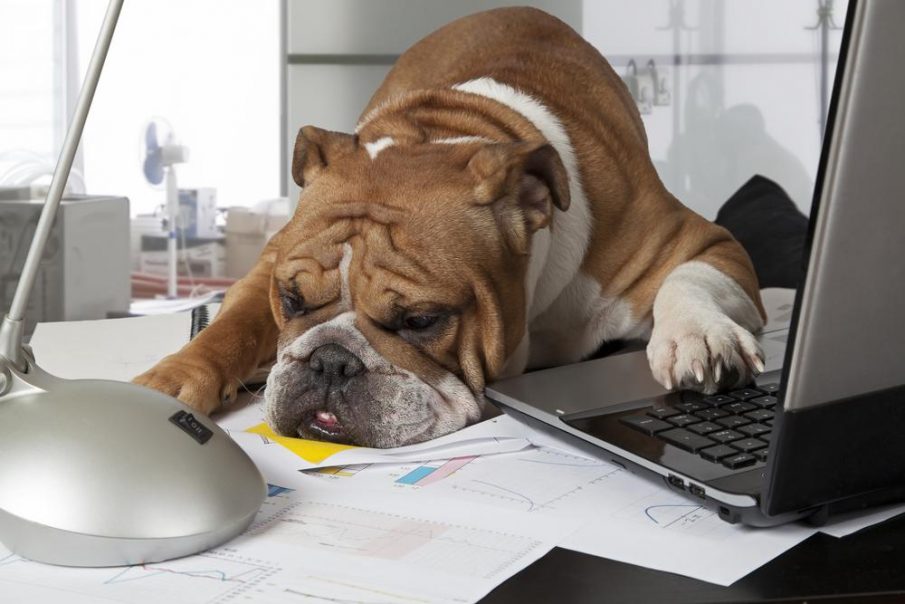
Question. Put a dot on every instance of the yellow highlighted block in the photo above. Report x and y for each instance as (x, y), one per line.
(314, 451)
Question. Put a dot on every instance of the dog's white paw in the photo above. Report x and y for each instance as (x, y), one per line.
(703, 352)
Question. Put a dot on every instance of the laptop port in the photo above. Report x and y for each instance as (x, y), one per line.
(676, 481)
(696, 490)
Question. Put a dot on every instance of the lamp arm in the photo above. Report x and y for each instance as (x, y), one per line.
(12, 330)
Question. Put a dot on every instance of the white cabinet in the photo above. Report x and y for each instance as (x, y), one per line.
(373, 27)
(338, 52)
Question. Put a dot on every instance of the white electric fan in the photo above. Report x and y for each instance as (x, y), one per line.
(160, 154)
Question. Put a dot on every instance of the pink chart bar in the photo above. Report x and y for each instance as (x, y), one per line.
(445, 470)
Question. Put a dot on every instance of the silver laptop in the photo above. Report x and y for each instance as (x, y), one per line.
(823, 429)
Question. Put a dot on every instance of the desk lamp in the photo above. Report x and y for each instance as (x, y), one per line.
(104, 473)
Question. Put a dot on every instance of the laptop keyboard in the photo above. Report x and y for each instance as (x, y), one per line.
(732, 429)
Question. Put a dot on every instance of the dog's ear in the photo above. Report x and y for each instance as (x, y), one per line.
(530, 176)
(314, 149)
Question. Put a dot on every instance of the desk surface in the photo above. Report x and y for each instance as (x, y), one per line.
(867, 566)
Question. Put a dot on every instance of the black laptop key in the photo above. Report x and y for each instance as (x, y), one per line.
(754, 429)
(739, 460)
(769, 388)
(760, 415)
(662, 412)
(691, 396)
(749, 444)
(718, 452)
(725, 436)
(764, 402)
(685, 440)
(689, 407)
(683, 420)
(717, 399)
(706, 428)
(738, 407)
(745, 393)
(733, 421)
(711, 414)
(648, 425)
(761, 454)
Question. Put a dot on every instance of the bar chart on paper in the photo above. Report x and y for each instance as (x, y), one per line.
(341, 471)
(428, 473)
(396, 475)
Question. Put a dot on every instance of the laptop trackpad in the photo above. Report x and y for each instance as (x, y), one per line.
(583, 386)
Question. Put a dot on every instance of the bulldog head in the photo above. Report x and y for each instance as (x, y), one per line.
(399, 286)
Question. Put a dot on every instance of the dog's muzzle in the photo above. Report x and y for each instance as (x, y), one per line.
(333, 366)
(331, 384)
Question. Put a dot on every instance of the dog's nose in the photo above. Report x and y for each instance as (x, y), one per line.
(335, 362)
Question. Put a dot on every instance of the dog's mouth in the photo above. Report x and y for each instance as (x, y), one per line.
(323, 425)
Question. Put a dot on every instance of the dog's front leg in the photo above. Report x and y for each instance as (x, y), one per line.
(702, 337)
(208, 371)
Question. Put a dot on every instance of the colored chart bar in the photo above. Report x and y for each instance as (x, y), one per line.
(274, 490)
(415, 475)
(345, 471)
(425, 475)
(445, 470)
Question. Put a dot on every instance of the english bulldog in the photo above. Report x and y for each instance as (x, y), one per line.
(495, 210)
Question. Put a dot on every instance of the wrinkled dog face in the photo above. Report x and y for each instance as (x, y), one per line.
(330, 384)
(396, 291)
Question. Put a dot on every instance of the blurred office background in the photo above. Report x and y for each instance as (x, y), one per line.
(726, 90)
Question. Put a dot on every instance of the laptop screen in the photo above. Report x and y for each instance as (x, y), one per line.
(848, 333)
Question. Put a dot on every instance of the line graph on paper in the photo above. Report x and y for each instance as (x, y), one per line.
(342, 590)
(435, 546)
(512, 481)
(210, 578)
(673, 513)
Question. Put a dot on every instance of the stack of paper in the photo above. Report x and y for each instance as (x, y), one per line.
(441, 521)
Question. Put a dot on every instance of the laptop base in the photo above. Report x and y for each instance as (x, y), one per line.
(697, 491)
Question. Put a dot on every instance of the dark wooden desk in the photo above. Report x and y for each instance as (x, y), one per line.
(867, 566)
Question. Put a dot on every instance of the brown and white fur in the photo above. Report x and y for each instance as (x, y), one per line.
(498, 185)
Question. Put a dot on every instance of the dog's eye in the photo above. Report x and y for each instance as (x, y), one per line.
(293, 305)
(419, 321)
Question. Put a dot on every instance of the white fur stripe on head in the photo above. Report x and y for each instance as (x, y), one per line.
(571, 230)
(375, 147)
(344, 276)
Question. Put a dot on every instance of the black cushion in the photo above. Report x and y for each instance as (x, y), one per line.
(762, 217)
